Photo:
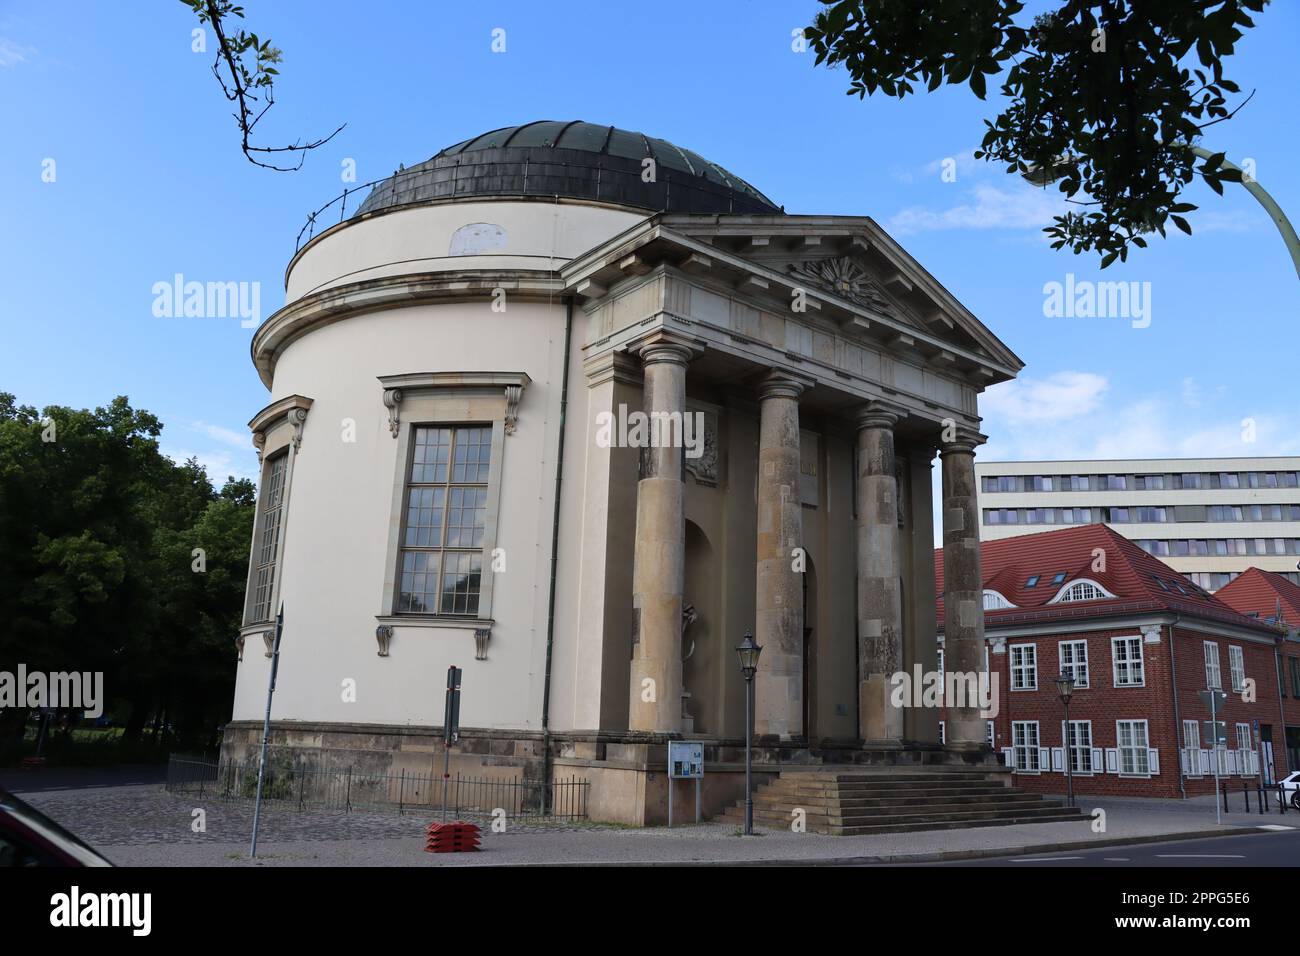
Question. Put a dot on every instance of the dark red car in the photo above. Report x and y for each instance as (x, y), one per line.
(30, 838)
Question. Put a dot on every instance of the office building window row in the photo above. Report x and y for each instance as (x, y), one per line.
(1142, 482)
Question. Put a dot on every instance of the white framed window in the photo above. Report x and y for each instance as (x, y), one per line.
(1246, 749)
(440, 561)
(1192, 748)
(1074, 661)
(1024, 743)
(450, 433)
(943, 735)
(1080, 746)
(1126, 662)
(988, 732)
(1024, 666)
(941, 664)
(1081, 590)
(993, 601)
(277, 436)
(1134, 755)
(270, 510)
(1213, 676)
(1237, 667)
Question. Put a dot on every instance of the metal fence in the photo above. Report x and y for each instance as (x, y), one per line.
(348, 789)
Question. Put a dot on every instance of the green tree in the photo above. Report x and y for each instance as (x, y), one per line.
(1101, 90)
(97, 534)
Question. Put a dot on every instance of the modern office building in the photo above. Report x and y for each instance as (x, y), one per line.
(1208, 518)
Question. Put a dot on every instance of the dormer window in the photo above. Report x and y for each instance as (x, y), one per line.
(1083, 590)
(994, 601)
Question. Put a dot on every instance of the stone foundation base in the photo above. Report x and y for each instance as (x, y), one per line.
(627, 771)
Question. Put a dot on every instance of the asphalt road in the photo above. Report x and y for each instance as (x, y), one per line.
(1251, 848)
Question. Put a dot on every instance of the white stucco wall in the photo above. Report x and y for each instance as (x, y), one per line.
(533, 235)
(336, 557)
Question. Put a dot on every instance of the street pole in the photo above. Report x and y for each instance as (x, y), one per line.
(1069, 758)
(749, 757)
(1270, 206)
(266, 729)
(1214, 729)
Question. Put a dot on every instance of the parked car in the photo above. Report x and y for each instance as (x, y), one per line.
(30, 838)
(1290, 785)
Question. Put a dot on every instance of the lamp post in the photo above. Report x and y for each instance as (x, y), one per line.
(1065, 688)
(748, 653)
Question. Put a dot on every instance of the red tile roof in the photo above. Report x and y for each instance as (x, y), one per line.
(1138, 581)
(1262, 593)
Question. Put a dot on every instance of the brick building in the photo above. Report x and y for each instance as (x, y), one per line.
(1141, 641)
(1272, 598)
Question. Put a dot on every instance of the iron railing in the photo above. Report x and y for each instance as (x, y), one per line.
(348, 789)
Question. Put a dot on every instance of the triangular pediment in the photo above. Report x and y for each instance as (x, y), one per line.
(850, 260)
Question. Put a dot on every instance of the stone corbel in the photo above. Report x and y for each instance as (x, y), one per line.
(513, 394)
(384, 635)
(269, 638)
(297, 418)
(481, 637)
(392, 399)
(291, 409)
(511, 385)
(239, 647)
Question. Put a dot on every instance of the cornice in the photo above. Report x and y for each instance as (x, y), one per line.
(331, 305)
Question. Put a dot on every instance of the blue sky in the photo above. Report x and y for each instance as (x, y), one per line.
(149, 182)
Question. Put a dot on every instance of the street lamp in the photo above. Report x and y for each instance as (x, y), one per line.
(1057, 169)
(748, 653)
(1065, 689)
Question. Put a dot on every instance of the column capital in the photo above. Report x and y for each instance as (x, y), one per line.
(661, 346)
(879, 414)
(778, 383)
(963, 440)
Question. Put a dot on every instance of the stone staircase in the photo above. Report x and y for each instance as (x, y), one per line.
(860, 802)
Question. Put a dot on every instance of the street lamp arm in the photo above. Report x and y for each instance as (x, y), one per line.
(1274, 210)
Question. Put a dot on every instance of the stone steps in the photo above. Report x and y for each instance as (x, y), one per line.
(857, 804)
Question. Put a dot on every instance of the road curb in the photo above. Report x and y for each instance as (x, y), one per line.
(941, 856)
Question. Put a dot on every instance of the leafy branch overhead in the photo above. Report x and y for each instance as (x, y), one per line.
(250, 88)
(1099, 98)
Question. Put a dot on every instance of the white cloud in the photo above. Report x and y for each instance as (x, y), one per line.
(1060, 396)
(227, 436)
(11, 53)
(1150, 426)
(219, 464)
(1011, 206)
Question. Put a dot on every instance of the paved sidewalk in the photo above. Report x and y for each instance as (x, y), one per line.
(141, 825)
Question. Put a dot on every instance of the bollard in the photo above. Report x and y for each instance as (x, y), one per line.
(1225, 796)
(1245, 794)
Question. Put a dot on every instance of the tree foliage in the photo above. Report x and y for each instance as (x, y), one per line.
(97, 537)
(1102, 92)
(246, 67)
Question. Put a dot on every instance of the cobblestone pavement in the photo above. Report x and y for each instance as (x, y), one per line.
(136, 824)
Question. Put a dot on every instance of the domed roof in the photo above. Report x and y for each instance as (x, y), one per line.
(577, 160)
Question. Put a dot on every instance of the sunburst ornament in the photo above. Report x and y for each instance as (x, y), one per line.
(846, 279)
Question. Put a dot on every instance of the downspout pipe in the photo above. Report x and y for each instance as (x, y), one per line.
(555, 552)
(1178, 723)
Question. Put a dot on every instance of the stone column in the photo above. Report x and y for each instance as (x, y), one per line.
(880, 605)
(655, 694)
(963, 582)
(778, 617)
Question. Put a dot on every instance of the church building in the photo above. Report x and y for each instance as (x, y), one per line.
(575, 409)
